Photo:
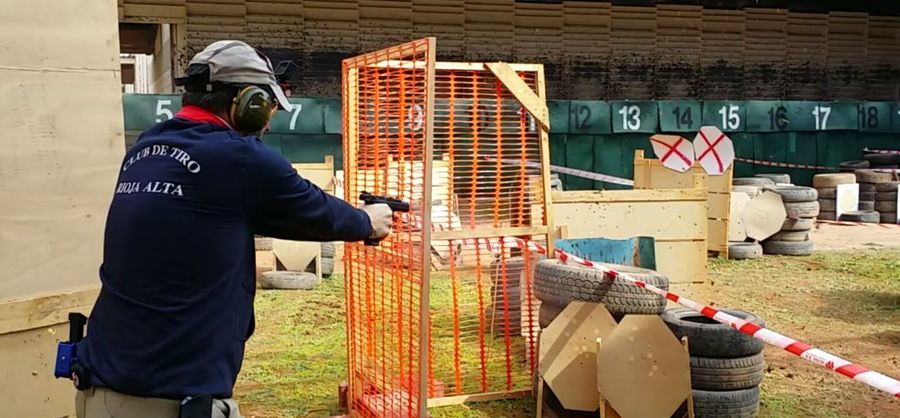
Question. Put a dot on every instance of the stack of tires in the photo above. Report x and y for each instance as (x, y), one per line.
(727, 366)
(802, 207)
(328, 250)
(752, 182)
(886, 201)
(867, 180)
(556, 284)
(826, 185)
(883, 160)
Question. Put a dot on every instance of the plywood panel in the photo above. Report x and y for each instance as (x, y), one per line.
(29, 388)
(57, 184)
(678, 220)
(675, 218)
(682, 261)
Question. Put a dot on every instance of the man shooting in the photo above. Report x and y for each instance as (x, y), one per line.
(166, 335)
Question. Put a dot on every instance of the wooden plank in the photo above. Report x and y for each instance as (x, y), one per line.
(682, 261)
(146, 13)
(624, 196)
(545, 164)
(41, 311)
(618, 220)
(718, 235)
(719, 206)
(479, 397)
(425, 292)
(484, 232)
(526, 97)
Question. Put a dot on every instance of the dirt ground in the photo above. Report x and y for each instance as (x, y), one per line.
(844, 299)
(844, 237)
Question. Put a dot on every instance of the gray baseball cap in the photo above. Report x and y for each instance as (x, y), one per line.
(235, 62)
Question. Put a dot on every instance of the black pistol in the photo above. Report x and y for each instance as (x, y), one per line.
(396, 205)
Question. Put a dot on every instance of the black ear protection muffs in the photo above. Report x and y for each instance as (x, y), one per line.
(252, 109)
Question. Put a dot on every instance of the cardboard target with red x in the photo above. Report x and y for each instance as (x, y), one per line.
(673, 152)
(714, 150)
(711, 148)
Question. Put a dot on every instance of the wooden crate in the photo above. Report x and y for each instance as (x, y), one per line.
(651, 174)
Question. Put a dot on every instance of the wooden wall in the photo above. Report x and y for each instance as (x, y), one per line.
(591, 50)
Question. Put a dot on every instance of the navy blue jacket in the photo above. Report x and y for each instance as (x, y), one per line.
(178, 275)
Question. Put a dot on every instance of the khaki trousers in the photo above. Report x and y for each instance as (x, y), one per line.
(105, 403)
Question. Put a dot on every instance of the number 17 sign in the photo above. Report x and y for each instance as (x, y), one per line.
(713, 150)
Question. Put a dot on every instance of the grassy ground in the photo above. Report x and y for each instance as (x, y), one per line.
(847, 303)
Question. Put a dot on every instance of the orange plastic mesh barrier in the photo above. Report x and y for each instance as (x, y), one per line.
(444, 307)
(386, 150)
(488, 185)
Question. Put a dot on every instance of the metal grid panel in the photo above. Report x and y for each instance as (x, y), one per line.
(387, 129)
(488, 188)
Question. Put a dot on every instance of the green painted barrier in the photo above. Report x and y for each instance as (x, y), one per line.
(680, 116)
(601, 136)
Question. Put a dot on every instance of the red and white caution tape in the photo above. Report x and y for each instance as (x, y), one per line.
(570, 171)
(806, 166)
(882, 151)
(798, 348)
(785, 165)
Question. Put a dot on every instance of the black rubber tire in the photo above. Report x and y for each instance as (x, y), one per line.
(794, 193)
(514, 267)
(828, 205)
(752, 181)
(709, 338)
(886, 206)
(871, 176)
(788, 247)
(291, 280)
(853, 165)
(888, 186)
(867, 196)
(827, 216)
(866, 205)
(327, 266)
(867, 187)
(790, 236)
(832, 180)
(783, 178)
(802, 209)
(886, 197)
(802, 224)
(827, 192)
(751, 191)
(882, 160)
(727, 373)
(869, 216)
(888, 217)
(560, 283)
(548, 313)
(744, 250)
(328, 249)
(742, 403)
(263, 243)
